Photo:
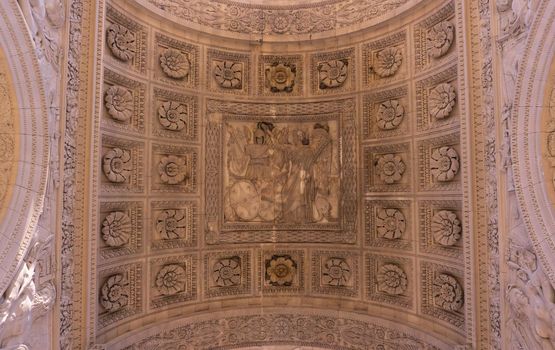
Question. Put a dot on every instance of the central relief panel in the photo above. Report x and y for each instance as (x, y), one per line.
(280, 178)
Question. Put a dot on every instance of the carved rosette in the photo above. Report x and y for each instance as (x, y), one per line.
(171, 224)
(388, 62)
(440, 38)
(170, 279)
(280, 271)
(390, 168)
(175, 64)
(116, 229)
(444, 164)
(119, 103)
(173, 115)
(227, 272)
(114, 294)
(172, 170)
(121, 42)
(391, 279)
(116, 165)
(332, 74)
(390, 223)
(442, 100)
(336, 272)
(281, 77)
(448, 293)
(390, 115)
(446, 228)
(229, 74)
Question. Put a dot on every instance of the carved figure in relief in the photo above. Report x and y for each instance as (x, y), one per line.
(281, 175)
(531, 300)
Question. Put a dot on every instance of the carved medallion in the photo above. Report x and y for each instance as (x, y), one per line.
(388, 62)
(440, 38)
(114, 294)
(119, 103)
(116, 229)
(170, 279)
(446, 228)
(441, 101)
(175, 64)
(390, 115)
(391, 279)
(121, 42)
(116, 165)
(444, 164)
(448, 293)
(332, 74)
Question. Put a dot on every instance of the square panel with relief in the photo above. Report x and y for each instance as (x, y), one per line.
(442, 294)
(335, 273)
(174, 115)
(176, 62)
(122, 165)
(173, 224)
(125, 41)
(386, 114)
(435, 39)
(387, 168)
(390, 280)
(172, 280)
(228, 72)
(439, 163)
(280, 75)
(388, 224)
(385, 60)
(120, 293)
(440, 228)
(228, 273)
(121, 229)
(437, 101)
(332, 72)
(281, 271)
(280, 180)
(173, 168)
(123, 103)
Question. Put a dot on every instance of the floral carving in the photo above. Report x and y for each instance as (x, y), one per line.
(172, 169)
(446, 227)
(170, 279)
(390, 114)
(227, 272)
(114, 293)
(121, 42)
(391, 279)
(332, 74)
(442, 100)
(390, 168)
(390, 223)
(175, 64)
(116, 229)
(171, 224)
(173, 115)
(388, 62)
(440, 38)
(281, 77)
(444, 164)
(280, 270)
(336, 272)
(448, 293)
(116, 165)
(229, 74)
(119, 103)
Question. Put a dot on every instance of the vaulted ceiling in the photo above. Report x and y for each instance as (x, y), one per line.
(255, 191)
